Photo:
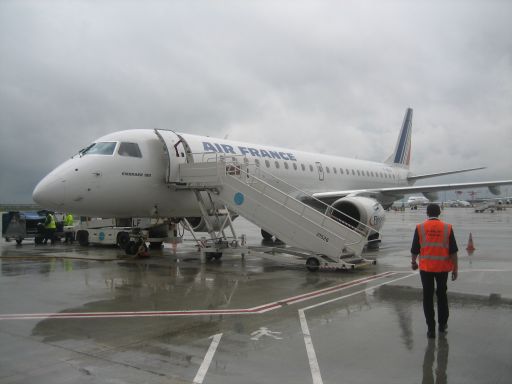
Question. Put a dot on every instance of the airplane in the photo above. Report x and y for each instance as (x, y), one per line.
(414, 201)
(135, 173)
(460, 203)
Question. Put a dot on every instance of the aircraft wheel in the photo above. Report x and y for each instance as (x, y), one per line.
(18, 241)
(83, 238)
(123, 238)
(131, 248)
(373, 241)
(312, 264)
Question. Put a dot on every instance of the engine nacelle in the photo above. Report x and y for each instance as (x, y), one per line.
(199, 225)
(358, 209)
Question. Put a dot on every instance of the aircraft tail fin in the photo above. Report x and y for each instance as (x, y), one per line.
(401, 156)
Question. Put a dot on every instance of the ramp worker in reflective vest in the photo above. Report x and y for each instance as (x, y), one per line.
(50, 226)
(68, 232)
(68, 220)
(435, 246)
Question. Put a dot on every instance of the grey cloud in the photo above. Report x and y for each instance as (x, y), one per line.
(326, 76)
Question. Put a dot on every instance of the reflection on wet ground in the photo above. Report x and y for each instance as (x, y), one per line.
(369, 330)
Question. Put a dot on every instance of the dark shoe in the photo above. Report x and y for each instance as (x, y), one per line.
(443, 328)
(431, 334)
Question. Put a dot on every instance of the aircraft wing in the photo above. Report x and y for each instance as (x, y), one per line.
(387, 195)
(430, 175)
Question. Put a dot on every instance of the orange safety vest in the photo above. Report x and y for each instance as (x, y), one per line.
(434, 236)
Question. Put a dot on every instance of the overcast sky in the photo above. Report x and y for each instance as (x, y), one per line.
(328, 76)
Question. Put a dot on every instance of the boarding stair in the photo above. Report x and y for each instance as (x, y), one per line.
(274, 205)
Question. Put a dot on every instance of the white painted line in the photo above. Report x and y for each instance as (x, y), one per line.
(358, 292)
(310, 349)
(201, 373)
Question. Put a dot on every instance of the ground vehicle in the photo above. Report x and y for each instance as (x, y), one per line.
(129, 234)
(485, 205)
(20, 225)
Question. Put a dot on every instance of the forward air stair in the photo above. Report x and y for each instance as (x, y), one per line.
(269, 203)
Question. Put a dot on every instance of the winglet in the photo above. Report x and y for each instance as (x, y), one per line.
(401, 156)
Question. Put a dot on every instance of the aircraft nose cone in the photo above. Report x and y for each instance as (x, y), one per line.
(50, 193)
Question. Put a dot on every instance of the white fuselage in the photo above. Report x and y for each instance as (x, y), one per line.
(115, 185)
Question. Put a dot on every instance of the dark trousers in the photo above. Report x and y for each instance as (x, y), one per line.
(427, 280)
(49, 234)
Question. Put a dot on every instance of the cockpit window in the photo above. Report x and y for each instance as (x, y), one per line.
(129, 149)
(104, 148)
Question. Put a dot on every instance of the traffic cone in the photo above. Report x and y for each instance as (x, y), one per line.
(470, 247)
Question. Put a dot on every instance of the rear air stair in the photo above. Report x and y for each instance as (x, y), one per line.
(250, 192)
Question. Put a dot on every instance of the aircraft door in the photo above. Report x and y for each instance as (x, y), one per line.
(175, 153)
(320, 169)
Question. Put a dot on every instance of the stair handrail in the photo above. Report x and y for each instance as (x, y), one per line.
(223, 158)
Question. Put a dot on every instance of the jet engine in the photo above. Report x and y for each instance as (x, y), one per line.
(354, 210)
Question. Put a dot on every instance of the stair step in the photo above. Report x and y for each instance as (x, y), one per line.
(288, 218)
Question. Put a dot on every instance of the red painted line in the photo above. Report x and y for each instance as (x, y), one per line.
(243, 311)
(335, 288)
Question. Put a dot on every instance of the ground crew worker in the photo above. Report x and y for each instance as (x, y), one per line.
(68, 222)
(435, 244)
(50, 227)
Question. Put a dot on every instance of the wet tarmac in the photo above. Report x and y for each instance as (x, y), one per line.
(90, 315)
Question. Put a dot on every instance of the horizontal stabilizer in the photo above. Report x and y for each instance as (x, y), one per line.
(429, 175)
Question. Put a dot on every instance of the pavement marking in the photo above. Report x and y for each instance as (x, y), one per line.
(310, 349)
(207, 312)
(308, 341)
(201, 373)
(264, 331)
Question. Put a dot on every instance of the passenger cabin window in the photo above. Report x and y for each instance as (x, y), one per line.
(310, 167)
(129, 150)
(257, 162)
(303, 167)
(104, 148)
(286, 165)
(295, 166)
(267, 163)
(277, 164)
